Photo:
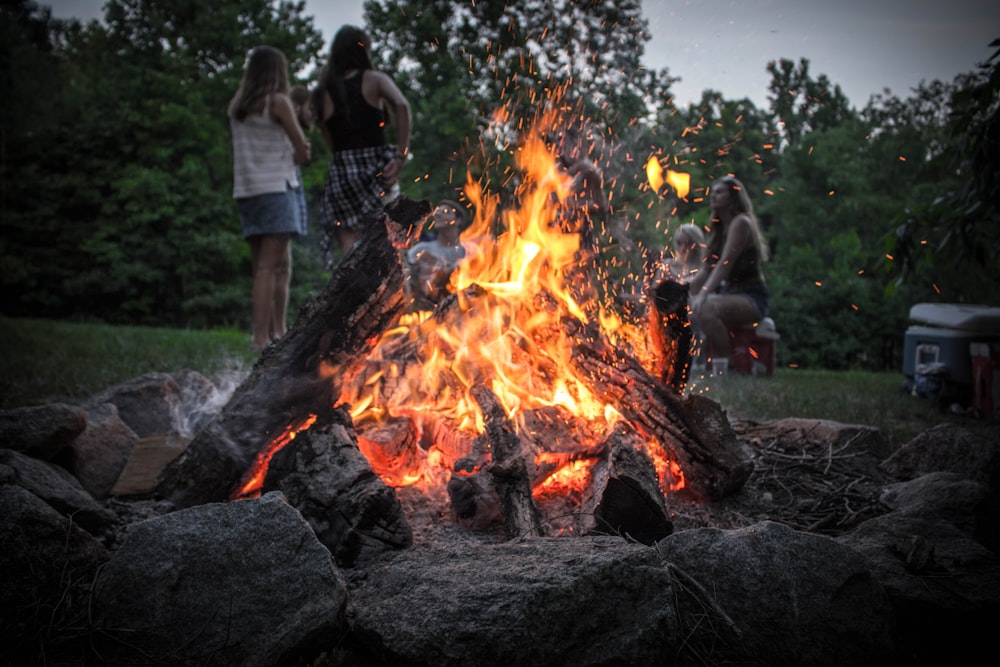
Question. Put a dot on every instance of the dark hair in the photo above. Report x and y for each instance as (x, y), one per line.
(739, 199)
(350, 50)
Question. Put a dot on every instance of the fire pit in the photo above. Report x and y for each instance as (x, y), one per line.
(521, 396)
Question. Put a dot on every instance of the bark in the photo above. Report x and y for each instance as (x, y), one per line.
(694, 432)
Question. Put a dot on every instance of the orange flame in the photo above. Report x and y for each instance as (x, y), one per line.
(254, 479)
(505, 328)
(679, 181)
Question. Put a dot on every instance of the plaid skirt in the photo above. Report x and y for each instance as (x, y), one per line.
(353, 194)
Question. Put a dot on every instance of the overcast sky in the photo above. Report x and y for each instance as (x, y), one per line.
(861, 45)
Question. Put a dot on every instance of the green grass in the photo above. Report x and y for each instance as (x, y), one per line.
(46, 361)
(850, 397)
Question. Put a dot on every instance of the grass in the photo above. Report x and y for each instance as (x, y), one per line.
(47, 361)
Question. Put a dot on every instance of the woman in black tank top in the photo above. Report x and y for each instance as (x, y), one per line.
(363, 175)
(730, 293)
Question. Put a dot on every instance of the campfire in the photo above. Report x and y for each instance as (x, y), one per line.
(520, 396)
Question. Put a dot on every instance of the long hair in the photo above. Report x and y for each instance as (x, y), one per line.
(739, 200)
(350, 50)
(266, 72)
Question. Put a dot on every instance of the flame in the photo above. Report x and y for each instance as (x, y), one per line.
(505, 329)
(679, 181)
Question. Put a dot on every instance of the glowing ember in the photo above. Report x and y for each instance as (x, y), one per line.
(254, 480)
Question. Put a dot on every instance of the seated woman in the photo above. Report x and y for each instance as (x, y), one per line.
(729, 292)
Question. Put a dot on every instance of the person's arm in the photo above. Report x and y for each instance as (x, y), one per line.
(389, 92)
(325, 111)
(283, 112)
(738, 238)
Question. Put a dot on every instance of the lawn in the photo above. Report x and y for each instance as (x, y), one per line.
(47, 361)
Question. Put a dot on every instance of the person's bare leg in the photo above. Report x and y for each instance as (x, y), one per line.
(720, 314)
(272, 275)
(347, 238)
(260, 296)
(282, 266)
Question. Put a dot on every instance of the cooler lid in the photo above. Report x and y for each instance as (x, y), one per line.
(980, 319)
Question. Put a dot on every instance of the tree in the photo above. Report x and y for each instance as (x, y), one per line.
(801, 104)
(950, 245)
(140, 169)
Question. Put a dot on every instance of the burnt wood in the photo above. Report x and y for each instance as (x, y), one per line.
(624, 495)
(693, 431)
(508, 468)
(303, 372)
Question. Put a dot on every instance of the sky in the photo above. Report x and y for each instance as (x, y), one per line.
(864, 46)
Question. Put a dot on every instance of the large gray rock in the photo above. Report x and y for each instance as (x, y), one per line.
(149, 404)
(942, 581)
(47, 564)
(243, 583)
(542, 601)
(98, 456)
(785, 597)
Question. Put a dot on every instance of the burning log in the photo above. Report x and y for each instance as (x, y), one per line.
(624, 495)
(508, 468)
(302, 373)
(694, 432)
(325, 476)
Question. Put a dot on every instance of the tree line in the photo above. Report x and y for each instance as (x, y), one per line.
(116, 166)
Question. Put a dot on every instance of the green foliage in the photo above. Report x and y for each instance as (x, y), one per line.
(949, 240)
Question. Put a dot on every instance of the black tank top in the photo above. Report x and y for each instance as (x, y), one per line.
(354, 123)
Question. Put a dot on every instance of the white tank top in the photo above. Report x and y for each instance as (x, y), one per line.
(263, 156)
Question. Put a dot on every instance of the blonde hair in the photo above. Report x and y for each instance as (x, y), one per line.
(266, 72)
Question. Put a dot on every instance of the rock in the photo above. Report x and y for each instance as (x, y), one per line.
(949, 448)
(243, 583)
(944, 586)
(789, 597)
(149, 404)
(57, 487)
(541, 601)
(98, 456)
(47, 564)
(41, 431)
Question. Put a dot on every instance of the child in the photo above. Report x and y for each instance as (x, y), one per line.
(268, 143)
(302, 101)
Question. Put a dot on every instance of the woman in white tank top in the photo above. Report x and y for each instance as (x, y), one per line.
(268, 143)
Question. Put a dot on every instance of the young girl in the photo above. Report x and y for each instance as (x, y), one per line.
(364, 168)
(268, 144)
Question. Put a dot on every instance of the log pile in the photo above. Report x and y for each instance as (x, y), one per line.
(300, 378)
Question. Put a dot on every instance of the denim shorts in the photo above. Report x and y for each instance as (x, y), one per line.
(275, 213)
(758, 294)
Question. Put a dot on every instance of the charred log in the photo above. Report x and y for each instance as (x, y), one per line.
(624, 493)
(324, 475)
(693, 431)
(508, 468)
(670, 333)
(303, 372)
